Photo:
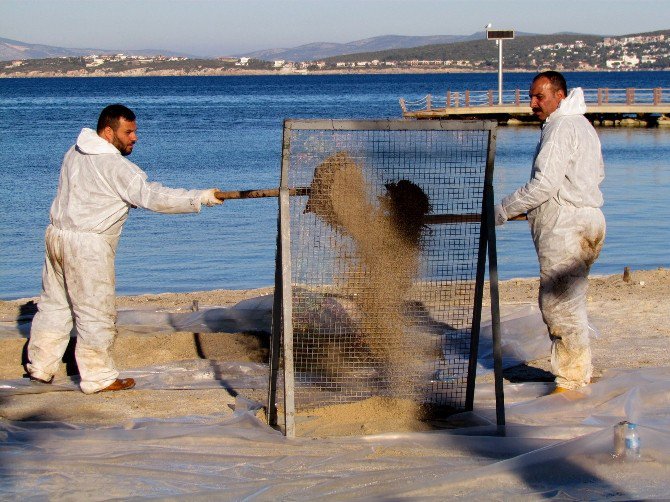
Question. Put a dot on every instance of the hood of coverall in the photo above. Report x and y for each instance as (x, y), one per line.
(573, 104)
(90, 143)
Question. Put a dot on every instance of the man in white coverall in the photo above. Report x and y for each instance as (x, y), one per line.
(97, 187)
(562, 201)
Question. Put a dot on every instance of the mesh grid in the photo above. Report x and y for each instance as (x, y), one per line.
(383, 289)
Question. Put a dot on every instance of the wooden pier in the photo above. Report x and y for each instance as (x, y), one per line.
(605, 107)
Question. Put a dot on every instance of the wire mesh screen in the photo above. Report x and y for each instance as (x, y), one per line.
(384, 254)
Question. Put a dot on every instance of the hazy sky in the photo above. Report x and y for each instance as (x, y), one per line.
(222, 27)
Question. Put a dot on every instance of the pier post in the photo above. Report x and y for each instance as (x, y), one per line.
(429, 104)
(467, 97)
(658, 93)
(517, 97)
(490, 94)
(448, 99)
(600, 96)
(630, 96)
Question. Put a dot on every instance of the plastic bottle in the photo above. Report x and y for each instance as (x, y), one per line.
(632, 442)
(619, 451)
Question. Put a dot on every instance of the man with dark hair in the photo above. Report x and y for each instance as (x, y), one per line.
(112, 114)
(96, 189)
(556, 79)
(563, 201)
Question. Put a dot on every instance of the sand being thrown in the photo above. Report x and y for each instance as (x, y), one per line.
(379, 274)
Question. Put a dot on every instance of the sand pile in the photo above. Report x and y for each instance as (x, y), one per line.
(375, 415)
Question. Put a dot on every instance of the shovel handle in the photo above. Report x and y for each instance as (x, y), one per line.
(432, 219)
(255, 194)
(274, 192)
(518, 217)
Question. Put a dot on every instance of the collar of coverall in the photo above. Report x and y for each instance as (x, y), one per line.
(573, 104)
(90, 143)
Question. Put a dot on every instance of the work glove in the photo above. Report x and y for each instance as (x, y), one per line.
(499, 215)
(208, 199)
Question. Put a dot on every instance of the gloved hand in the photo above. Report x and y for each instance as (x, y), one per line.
(499, 215)
(208, 199)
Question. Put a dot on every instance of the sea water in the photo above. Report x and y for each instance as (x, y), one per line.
(199, 132)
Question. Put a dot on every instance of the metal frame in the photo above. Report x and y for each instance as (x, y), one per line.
(282, 329)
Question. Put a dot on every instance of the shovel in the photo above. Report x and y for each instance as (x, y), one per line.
(321, 185)
(256, 194)
(429, 219)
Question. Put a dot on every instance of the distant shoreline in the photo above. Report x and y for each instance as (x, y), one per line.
(241, 73)
(235, 73)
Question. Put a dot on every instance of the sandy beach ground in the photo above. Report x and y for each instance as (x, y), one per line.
(631, 319)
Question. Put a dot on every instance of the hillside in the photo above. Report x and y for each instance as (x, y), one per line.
(527, 52)
(516, 51)
(321, 50)
(14, 50)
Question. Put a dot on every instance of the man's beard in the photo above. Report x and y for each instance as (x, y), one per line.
(125, 151)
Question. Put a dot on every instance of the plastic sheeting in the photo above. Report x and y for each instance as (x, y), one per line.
(554, 447)
(252, 315)
(523, 337)
(179, 375)
(523, 333)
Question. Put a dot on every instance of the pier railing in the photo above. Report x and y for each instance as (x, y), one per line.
(517, 97)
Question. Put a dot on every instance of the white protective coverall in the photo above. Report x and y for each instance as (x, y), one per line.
(563, 201)
(96, 189)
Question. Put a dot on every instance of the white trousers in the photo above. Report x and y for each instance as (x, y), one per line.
(78, 287)
(568, 241)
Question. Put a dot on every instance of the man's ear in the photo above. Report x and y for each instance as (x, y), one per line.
(107, 134)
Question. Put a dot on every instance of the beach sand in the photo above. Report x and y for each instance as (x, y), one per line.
(631, 319)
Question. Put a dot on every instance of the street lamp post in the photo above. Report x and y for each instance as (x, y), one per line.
(499, 36)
